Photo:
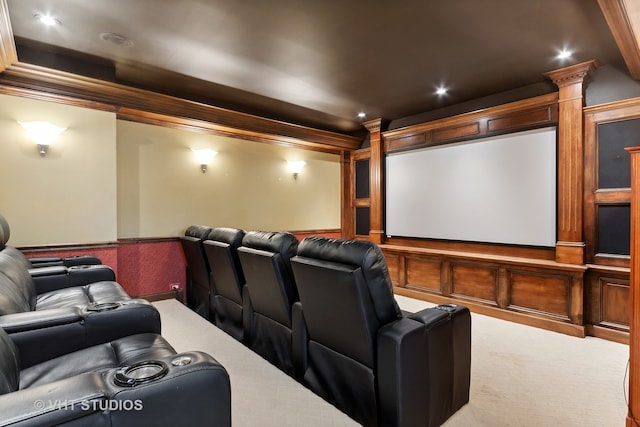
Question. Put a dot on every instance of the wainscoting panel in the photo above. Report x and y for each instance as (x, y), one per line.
(423, 273)
(475, 282)
(537, 292)
(548, 295)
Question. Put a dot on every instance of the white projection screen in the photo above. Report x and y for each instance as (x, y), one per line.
(493, 190)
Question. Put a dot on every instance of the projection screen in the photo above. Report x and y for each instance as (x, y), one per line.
(494, 190)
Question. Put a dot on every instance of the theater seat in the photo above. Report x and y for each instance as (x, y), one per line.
(86, 314)
(271, 292)
(133, 381)
(226, 280)
(357, 349)
(197, 269)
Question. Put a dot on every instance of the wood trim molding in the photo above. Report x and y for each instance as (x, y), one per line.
(150, 107)
(634, 295)
(623, 18)
(528, 113)
(8, 54)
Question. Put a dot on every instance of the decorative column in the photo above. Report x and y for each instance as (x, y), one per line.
(376, 232)
(571, 83)
(634, 295)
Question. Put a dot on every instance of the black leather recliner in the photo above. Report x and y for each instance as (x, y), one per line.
(74, 308)
(271, 292)
(133, 381)
(198, 270)
(37, 262)
(357, 349)
(226, 280)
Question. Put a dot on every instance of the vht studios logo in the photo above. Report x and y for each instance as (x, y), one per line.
(90, 405)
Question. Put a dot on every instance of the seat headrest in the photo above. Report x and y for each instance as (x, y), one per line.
(361, 253)
(198, 231)
(282, 242)
(231, 236)
(5, 232)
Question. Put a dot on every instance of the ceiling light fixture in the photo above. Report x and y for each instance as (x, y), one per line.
(440, 91)
(47, 20)
(362, 115)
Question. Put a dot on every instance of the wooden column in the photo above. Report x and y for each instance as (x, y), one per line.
(376, 232)
(634, 296)
(346, 219)
(571, 83)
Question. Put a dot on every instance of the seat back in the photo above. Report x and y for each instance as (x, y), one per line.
(197, 269)
(346, 297)
(14, 253)
(9, 364)
(226, 280)
(17, 289)
(266, 263)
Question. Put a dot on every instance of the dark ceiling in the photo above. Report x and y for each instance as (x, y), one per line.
(316, 62)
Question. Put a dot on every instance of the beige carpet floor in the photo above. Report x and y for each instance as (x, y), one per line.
(520, 376)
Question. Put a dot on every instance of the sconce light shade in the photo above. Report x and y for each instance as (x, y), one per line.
(204, 156)
(42, 133)
(296, 167)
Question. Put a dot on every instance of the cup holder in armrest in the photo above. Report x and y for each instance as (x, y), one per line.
(140, 373)
(105, 306)
(447, 307)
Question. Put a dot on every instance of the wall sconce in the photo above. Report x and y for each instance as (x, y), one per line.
(42, 133)
(296, 167)
(204, 157)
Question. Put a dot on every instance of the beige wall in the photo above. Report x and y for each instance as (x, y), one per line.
(69, 196)
(161, 189)
(106, 179)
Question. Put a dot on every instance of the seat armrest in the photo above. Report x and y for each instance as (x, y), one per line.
(55, 403)
(50, 270)
(247, 317)
(45, 334)
(124, 318)
(47, 261)
(37, 262)
(47, 279)
(300, 340)
(403, 372)
(81, 275)
(429, 316)
(197, 393)
(30, 320)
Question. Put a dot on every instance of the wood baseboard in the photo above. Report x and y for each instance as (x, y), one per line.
(177, 294)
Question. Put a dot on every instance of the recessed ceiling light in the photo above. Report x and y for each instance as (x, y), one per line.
(47, 20)
(362, 114)
(564, 54)
(441, 91)
(118, 39)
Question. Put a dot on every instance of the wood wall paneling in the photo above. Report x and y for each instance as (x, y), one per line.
(475, 282)
(423, 273)
(520, 115)
(546, 294)
(634, 297)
